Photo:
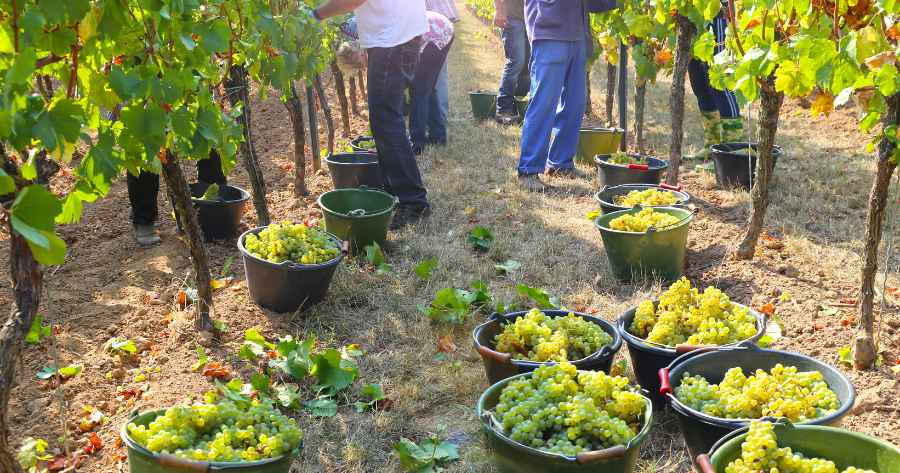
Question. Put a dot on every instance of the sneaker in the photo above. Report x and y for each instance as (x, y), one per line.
(508, 118)
(406, 216)
(145, 235)
(566, 173)
(532, 183)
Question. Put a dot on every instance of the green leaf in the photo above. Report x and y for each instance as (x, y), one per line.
(69, 371)
(507, 267)
(120, 345)
(37, 331)
(255, 344)
(7, 184)
(826, 311)
(260, 382)
(845, 355)
(47, 372)
(287, 395)
(50, 371)
(450, 305)
(333, 373)
(425, 268)
(33, 216)
(539, 297)
(202, 359)
(322, 407)
(429, 456)
(213, 36)
(480, 238)
(375, 257)
(125, 84)
(22, 68)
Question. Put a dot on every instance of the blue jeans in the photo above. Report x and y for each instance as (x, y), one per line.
(442, 93)
(425, 111)
(709, 98)
(390, 70)
(514, 81)
(553, 119)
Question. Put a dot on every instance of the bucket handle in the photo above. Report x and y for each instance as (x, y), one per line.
(670, 187)
(585, 458)
(172, 461)
(665, 387)
(704, 465)
(693, 211)
(503, 358)
(639, 167)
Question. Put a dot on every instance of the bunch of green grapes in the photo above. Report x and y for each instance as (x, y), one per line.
(642, 221)
(649, 197)
(781, 392)
(278, 243)
(539, 337)
(562, 410)
(684, 315)
(625, 159)
(220, 430)
(760, 453)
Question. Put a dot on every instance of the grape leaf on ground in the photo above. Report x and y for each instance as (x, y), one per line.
(425, 268)
(428, 457)
(38, 331)
(480, 238)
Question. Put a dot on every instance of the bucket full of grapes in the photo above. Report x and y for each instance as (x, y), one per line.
(359, 216)
(625, 168)
(605, 421)
(657, 332)
(192, 439)
(363, 144)
(352, 170)
(594, 141)
(289, 266)
(627, 196)
(716, 392)
(812, 448)
(520, 342)
(645, 243)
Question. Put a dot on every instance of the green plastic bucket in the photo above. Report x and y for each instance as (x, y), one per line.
(659, 253)
(360, 216)
(512, 457)
(484, 104)
(594, 141)
(841, 446)
(141, 460)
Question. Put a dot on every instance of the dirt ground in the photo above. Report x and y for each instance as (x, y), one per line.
(111, 287)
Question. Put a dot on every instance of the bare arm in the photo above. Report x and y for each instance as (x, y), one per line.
(500, 14)
(338, 7)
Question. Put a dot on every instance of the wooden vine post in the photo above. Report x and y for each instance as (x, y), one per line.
(685, 32)
(238, 91)
(341, 91)
(611, 75)
(294, 106)
(326, 111)
(313, 127)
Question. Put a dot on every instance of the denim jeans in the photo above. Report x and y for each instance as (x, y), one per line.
(390, 70)
(553, 119)
(143, 189)
(442, 93)
(709, 98)
(514, 81)
(425, 111)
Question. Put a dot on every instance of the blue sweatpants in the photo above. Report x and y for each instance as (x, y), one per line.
(709, 98)
(556, 108)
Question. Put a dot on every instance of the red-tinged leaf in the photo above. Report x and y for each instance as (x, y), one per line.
(272, 354)
(182, 299)
(58, 463)
(120, 457)
(445, 344)
(130, 393)
(848, 320)
(93, 444)
(768, 309)
(214, 369)
(384, 404)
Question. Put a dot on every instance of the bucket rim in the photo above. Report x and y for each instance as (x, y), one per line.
(724, 148)
(601, 129)
(653, 164)
(380, 213)
(289, 265)
(685, 220)
(682, 362)
(132, 444)
(738, 436)
(482, 93)
(245, 196)
(611, 349)
(683, 197)
(635, 342)
(372, 154)
(486, 417)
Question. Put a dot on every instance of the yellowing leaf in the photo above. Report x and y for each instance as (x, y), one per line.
(220, 283)
(880, 59)
(823, 104)
(594, 214)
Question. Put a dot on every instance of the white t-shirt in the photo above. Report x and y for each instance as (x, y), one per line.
(389, 23)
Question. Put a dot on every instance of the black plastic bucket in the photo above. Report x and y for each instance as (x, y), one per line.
(219, 219)
(607, 195)
(701, 431)
(513, 457)
(352, 170)
(288, 286)
(363, 144)
(618, 174)
(499, 366)
(648, 358)
(734, 168)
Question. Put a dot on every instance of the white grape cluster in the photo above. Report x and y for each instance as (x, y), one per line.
(220, 430)
(539, 337)
(641, 221)
(684, 315)
(648, 198)
(760, 453)
(278, 243)
(562, 410)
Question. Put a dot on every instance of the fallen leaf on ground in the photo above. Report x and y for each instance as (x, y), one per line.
(57, 463)
(768, 309)
(848, 320)
(445, 344)
(94, 444)
(130, 393)
(214, 369)
(848, 300)
(384, 404)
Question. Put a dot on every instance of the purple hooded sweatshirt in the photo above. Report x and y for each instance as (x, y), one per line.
(562, 20)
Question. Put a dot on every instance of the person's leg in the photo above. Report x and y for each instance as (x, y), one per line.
(698, 73)
(209, 170)
(570, 112)
(442, 92)
(388, 73)
(549, 62)
(732, 127)
(524, 81)
(515, 48)
(430, 62)
(437, 117)
(143, 191)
